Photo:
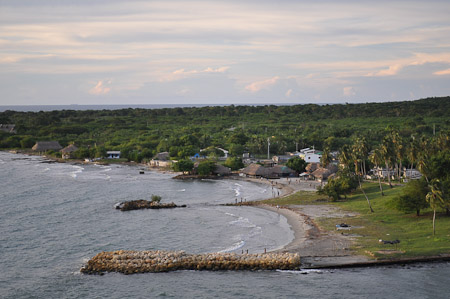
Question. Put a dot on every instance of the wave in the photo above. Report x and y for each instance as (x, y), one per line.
(182, 190)
(243, 222)
(79, 169)
(234, 247)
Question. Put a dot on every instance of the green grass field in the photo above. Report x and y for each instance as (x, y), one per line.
(415, 233)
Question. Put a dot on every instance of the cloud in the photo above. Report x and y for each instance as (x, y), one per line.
(288, 93)
(182, 73)
(443, 72)
(349, 91)
(100, 89)
(392, 70)
(258, 85)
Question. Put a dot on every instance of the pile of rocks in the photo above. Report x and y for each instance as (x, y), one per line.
(130, 262)
(145, 204)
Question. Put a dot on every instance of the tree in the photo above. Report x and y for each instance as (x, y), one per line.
(413, 198)
(435, 198)
(185, 165)
(357, 155)
(343, 184)
(297, 164)
(376, 158)
(326, 157)
(206, 167)
(234, 163)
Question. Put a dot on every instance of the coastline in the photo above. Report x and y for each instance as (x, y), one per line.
(317, 248)
(320, 249)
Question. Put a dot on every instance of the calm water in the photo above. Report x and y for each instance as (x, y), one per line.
(53, 217)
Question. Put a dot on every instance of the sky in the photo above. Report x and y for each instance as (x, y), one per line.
(56, 52)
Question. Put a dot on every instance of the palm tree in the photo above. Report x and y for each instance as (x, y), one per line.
(386, 153)
(412, 153)
(435, 198)
(356, 158)
(376, 158)
(326, 157)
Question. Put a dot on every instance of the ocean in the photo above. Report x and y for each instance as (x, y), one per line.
(56, 216)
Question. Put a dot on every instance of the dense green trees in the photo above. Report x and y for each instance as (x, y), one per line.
(413, 198)
(297, 164)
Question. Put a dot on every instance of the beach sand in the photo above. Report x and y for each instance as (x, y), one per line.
(317, 248)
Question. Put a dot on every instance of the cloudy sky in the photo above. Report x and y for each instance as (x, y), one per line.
(217, 52)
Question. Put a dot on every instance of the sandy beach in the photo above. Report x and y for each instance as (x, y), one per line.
(317, 248)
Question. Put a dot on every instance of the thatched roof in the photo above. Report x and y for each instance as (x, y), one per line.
(322, 173)
(162, 156)
(9, 128)
(222, 170)
(255, 170)
(311, 167)
(42, 146)
(69, 149)
(281, 170)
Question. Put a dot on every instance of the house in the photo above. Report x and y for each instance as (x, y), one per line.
(225, 153)
(8, 128)
(164, 156)
(222, 170)
(66, 152)
(323, 173)
(309, 155)
(257, 170)
(113, 154)
(43, 146)
(281, 159)
(281, 171)
(160, 163)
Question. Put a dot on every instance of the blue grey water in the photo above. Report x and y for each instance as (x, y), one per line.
(55, 216)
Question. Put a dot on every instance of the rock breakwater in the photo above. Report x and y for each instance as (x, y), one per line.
(131, 262)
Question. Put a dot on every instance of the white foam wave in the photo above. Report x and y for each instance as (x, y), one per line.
(234, 247)
(242, 222)
(182, 190)
(79, 169)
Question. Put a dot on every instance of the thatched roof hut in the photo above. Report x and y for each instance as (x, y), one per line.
(281, 171)
(311, 167)
(222, 170)
(43, 146)
(69, 149)
(255, 170)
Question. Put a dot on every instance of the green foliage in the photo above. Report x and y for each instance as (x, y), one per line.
(297, 164)
(156, 198)
(234, 163)
(413, 198)
(185, 165)
(206, 168)
(343, 184)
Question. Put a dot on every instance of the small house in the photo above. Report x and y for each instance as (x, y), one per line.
(66, 152)
(113, 154)
(8, 128)
(43, 146)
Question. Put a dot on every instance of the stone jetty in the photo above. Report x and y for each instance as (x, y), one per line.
(145, 204)
(131, 262)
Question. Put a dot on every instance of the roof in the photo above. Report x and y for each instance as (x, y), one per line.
(321, 173)
(69, 149)
(220, 169)
(43, 146)
(278, 169)
(10, 128)
(162, 156)
(255, 169)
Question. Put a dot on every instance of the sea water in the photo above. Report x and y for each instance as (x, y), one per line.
(55, 216)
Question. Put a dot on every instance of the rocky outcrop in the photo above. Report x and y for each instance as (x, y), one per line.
(145, 204)
(130, 262)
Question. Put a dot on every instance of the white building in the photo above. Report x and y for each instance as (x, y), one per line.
(309, 155)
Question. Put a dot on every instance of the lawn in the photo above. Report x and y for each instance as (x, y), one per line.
(386, 223)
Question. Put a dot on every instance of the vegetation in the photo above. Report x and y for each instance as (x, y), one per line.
(386, 223)
(297, 164)
(141, 133)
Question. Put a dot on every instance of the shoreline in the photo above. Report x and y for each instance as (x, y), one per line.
(317, 249)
